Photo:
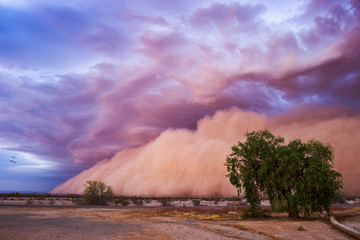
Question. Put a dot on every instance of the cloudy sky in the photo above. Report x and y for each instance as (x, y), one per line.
(81, 80)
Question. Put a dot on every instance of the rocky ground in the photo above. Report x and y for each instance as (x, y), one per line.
(162, 223)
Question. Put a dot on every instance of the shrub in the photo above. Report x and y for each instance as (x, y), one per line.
(165, 202)
(29, 201)
(300, 228)
(78, 201)
(98, 193)
(117, 200)
(255, 213)
(51, 202)
(216, 201)
(196, 202)
(122, 200)
(137, 201)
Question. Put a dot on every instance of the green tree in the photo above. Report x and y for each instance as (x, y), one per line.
(300, 173)
(98, 193)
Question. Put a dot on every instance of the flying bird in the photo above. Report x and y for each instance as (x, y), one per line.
(12, 161)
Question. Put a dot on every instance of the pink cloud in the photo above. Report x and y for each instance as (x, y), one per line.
(162, 47)
(228, 16)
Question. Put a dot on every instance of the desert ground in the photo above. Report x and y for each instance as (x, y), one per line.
(44, 222)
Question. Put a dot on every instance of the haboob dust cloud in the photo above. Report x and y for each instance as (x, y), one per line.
(183, 162)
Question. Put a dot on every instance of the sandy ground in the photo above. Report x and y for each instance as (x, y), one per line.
(163, 223)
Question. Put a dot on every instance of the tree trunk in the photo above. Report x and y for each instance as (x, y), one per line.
(292, 209)
(288, 205)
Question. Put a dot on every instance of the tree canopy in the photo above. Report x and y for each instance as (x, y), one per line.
(98, 193)
(300, 173)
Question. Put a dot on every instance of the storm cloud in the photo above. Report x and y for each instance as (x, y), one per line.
(82, 81)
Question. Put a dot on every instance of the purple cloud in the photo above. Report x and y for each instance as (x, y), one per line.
(228, 16)
(79, 83)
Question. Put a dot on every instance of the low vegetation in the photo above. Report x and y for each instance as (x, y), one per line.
(79, 199)
(258, 212)
(300, 228)
(196, 202)
(138, 201)
(166, 202)
(98, 193)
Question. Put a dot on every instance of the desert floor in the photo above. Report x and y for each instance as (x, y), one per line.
(163, 223)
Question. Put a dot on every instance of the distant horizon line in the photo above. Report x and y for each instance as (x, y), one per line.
(130, 196)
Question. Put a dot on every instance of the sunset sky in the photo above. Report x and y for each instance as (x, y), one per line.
(81, 80)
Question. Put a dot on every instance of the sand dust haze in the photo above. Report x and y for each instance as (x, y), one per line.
(185, 162)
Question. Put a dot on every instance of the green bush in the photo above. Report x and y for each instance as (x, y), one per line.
(98, 193)
(78, 201)
(300, 228)
(117, 200)
(196, 202)
(125, 202)
(137, 201)
(255, 213)
(216, 201)
(165, 202)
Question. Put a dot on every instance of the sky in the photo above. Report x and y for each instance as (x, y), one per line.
(93, 85)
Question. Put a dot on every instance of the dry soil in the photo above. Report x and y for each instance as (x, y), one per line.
(124, 223)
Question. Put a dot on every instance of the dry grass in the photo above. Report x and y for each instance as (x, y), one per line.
(203, 213)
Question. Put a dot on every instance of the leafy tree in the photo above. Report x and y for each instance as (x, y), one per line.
(98, 193)
(300, 173)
